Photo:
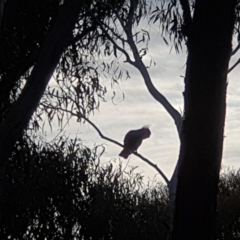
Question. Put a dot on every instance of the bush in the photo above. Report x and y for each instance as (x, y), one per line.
(60, 191)
(228, 224)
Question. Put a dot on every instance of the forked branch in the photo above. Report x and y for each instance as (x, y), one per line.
(151, 88)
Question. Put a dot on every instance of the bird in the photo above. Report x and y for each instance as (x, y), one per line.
(133, 140)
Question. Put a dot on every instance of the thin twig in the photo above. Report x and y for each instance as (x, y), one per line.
(230, 69)
(236, 49)
(98, 130)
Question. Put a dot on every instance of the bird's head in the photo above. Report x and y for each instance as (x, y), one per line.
(145, 132)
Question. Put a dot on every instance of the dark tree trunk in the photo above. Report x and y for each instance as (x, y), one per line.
(202, 131)
(21, 112)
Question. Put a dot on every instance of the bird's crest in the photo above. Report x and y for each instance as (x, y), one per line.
(146, 126)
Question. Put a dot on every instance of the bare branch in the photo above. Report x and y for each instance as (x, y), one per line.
(151, 88)
(230, 69)
(236, 49)
(79, 116)
(154, 166)
(98, 130)
(130, 15)
(139, 64)
(119, 144)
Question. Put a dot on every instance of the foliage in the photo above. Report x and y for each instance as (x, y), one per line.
(21, 40)
(170, 18)
(78, 83)
(60, 191)
(57, 192)
(98, 42)
(228, 205)
(24, 28)
(172, 25)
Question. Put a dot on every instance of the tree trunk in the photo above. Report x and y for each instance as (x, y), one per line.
(21, 112)
(203, 125)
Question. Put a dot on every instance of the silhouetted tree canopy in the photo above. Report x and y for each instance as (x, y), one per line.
(56, 192)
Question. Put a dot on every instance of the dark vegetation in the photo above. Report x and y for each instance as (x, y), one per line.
(61, 191)
(58, 192)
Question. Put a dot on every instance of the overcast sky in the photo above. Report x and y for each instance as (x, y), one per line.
(139, 108)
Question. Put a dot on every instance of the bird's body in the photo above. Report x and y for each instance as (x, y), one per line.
(133, 140)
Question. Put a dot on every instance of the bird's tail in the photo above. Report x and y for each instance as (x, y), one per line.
(125, 153)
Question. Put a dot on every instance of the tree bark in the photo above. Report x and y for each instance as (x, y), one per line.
(203, 125)
(21, 112)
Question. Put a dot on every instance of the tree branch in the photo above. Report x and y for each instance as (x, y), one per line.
(101, 24)
(119, 144)
(115, 34)
(234, 65)
(186, 15)
(83, 33)
(130, 16)
(236, 49)
(151, 88)
(140, 65)
(21, 112)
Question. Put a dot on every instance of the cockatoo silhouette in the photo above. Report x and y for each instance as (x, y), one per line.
(133, 140)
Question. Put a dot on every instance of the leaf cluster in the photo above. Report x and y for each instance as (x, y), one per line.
(169, 16)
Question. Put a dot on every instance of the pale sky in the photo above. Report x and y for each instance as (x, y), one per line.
(139, 109)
